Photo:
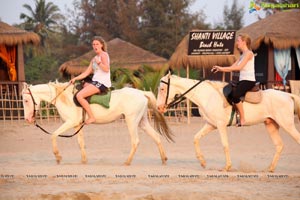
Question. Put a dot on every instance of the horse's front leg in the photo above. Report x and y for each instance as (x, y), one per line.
(81, 143)
(205, 130)
(66, 126)
(224, 140)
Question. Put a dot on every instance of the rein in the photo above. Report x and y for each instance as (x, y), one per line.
(45, 131)
(179, 98)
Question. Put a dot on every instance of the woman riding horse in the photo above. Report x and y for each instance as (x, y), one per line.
(245, 65)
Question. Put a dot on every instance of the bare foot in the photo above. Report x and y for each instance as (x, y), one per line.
(90, 120)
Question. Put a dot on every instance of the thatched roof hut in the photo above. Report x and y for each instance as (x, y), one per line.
(12, 40)
(278, 31)
(180, 58)
(122, 54)
(12, 36)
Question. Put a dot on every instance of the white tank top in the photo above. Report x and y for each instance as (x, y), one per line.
(100, 75)
(248, 71)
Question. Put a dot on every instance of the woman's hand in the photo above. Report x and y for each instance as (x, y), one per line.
(97, 59)
(216, 69)
(73, 80)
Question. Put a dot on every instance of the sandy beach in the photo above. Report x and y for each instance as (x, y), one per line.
(28, 169)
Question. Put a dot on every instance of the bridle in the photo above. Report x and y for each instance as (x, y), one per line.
(177, 98)
(54, 99)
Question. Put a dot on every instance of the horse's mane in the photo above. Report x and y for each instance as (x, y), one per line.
(217, 84)
(60, 88)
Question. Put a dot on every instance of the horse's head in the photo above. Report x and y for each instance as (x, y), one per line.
(31, 102)
(166, 92)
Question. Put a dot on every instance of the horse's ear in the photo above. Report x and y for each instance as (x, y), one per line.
(169, 71)
(25, 85)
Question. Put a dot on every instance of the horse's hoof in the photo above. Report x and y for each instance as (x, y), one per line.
(225, 169)
(164, 161)
(203, 165)
(84, 161)
(58, 160)
(271, 170)
(127, 163)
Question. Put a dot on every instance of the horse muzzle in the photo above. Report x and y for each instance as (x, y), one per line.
(162, 108)
(30, 119)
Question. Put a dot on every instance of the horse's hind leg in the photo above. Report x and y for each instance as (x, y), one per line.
(273, 128)
(80, 140)
(133, 131)
(144, 124)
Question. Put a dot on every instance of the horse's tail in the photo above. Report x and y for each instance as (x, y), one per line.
(297, 104)
(160, 123)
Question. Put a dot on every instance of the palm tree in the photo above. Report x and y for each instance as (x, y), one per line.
(144, 78)
(42, 19)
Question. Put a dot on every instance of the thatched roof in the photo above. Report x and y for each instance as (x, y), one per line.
(11, 36)
(180, 58)
(281, 30)
(122, 54)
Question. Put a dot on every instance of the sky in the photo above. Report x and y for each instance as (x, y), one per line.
(10, 10)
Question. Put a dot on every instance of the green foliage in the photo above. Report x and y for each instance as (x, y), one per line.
(232, 17)
(145, 78)
(40, 69)
(41, 19)
(193, 73)
(155, 25)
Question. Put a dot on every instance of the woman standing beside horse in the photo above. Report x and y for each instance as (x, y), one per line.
(100, 66)
(245, 65)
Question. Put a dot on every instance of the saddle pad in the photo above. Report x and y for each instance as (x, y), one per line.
(102, 100)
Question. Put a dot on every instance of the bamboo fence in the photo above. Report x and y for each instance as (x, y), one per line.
(11, 106)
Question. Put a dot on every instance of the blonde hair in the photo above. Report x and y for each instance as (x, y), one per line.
(102, 41)
(246, 38)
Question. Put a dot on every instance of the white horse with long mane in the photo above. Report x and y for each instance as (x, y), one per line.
(276, 110)
(131, 103)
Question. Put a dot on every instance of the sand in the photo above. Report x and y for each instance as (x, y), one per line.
(28, 169)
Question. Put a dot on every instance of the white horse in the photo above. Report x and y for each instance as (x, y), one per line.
(129, 102)
(276, 109)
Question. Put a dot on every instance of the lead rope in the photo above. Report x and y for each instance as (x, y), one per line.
(47, 132)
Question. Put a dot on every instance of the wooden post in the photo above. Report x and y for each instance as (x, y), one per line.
(271, 67)
(20, 67)
(188, 106)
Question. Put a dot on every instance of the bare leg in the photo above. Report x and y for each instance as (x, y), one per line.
(241, 111)
(87, 91)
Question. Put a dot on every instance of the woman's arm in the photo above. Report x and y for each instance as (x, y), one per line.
(84, 74)
(104, 62)
(235, 66)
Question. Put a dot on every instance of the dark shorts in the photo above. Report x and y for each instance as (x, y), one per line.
(241, 89)
(100, 86)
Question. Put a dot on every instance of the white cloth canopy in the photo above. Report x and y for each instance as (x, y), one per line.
(282, 60)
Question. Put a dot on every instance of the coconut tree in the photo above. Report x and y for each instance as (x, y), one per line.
(42, 19)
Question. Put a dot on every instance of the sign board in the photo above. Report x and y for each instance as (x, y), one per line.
(211, 43)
